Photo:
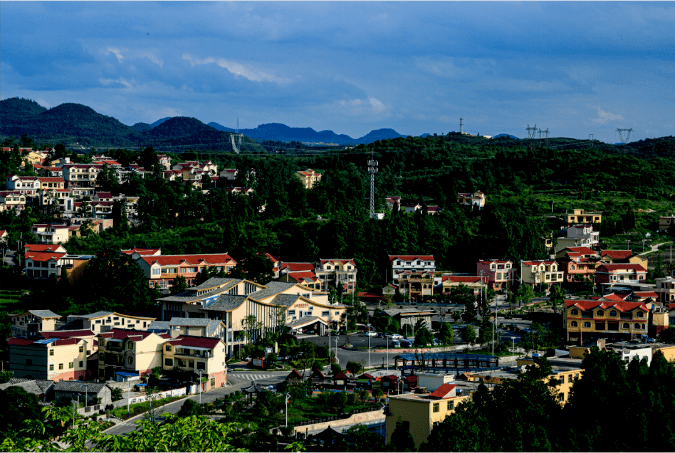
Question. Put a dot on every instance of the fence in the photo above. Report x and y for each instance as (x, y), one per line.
(136, 399)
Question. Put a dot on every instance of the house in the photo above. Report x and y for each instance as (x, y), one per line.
(60, 198)
(30, 323)
(51, 183)
(3, 236)
(585, 320)
(448, 282)
(41, 388)
(582, 252)
(41, 263)
(409, 317)
(91, 392)
(81, 175)
(12, 200)
(104, 321)
(544, 272)
(308, 178)
(305, 278)
(296, 267)
(581, 216)
(340, 380)
(412, 263)
(52, 359)
(391, 201)
(276, 264)
(162, 270)
(164, 161)
(229, 174)
(500, 274)
(80, 334)
(197, 327)
(623, 256)
(578, 264)
(135, 351)
(240, 190)
(50, 233)
(611, 274)
(472, 199)
(203, 356)
(422, 411)
(665, 288)
(52, 172)
(25, 185)
(337, 272)
(135, 253)
(414, 284)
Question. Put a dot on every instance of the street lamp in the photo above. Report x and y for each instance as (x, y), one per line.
(200, 387)
(368, 350)
(286, 403)
(128, 395)
(86, 389)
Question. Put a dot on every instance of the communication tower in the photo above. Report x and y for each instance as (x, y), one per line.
(628, 131)
(372, 169)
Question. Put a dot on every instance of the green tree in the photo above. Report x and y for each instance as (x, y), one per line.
(359, 438)
(668, 335)
(446, 335)
(423, 337)
(469, 334)
(116, 394)
(556, 297)
(401, 439)
(179, 285)
(354, 367)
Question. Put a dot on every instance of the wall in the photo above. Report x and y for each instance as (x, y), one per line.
(364, 417)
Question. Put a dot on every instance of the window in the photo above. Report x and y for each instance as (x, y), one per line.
(51, 367)
(325, 313)
(168, 362)
(337, 313)
(451, 405)
(81, 348)
(612, 313)
(101, 342)
(587, 324)
(291, 312)
(130, 346)
(574, 312)
(573, 324)
(640, 314)
(130, 361)
(643, 326)
(637, 326)
(156, 271)
(167, 348)
(561, 397)
(81, 364)
(626, 325)
(213, 382)
(60, 366)
(600, 313)
(437, 407)
(51, 352)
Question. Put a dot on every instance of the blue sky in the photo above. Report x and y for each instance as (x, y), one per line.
(351, 67)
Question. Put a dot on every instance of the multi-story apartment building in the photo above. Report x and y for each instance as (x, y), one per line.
(30, 323)
(581, 216)
(42, 264)
(665, 288)
(578, 264)
(60, 198)
(500, 274)
(543, 272)
(205, 357)
(611, 274)
(51, 359)
(51, 183)
(413, 284)
(449, 282)
(197, 327)
(591, 319)
(134, 351)
(412, 263)
(26, 185)
(81, 175)
(50, 233)
(623, 256)
(337, 272)
(12, 200)
(584, 232)
(161, 271)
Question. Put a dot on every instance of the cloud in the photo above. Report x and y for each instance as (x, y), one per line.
(604, 117)
(378, 107)
(237, 69)
(117, 53)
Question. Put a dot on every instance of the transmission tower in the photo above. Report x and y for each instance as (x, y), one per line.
(628, 131)
(372, 169)
(531, 132)
(590, 137)
(461, 125)
(546, 132)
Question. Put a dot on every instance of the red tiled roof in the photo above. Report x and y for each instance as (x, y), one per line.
(41, 247)
(104, 194)
(536, 262)
(2, 233)
(411, 257)
(338, 261)
(50, 179)
(44, 256)
(123, 334)
(140, 251)
(297, 267)
(494, 261)
(176, 260)
(67, 333)
(651, 294)
(620, 267)
(197, 342)
(301, 276)
(272, 258)
(341, 375)
(614, 297)
(67, 341)
(671, 306)
(582, 250)
(19, 342)
(617, 254)
(443, 390)
(586, 305)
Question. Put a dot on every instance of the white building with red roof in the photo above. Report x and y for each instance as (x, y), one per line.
(203, 356)
(500, 274)
(50, 233)
(411, 263)
(287, 267)
(135, 253)
(81, 175)
(449, 282)
(541, 272)
(622, 273)
(337, 272)
(162, 270)
(3, 236)
(308, 177)
(305, 278)
(42, 264)
(27, 185)
(472, 199)
(12, 200)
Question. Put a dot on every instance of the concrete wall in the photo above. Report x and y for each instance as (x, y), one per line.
(364, 417)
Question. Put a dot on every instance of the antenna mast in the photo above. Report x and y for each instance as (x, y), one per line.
(461, 125)
(372, 169)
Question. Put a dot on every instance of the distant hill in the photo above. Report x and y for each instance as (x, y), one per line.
(160, 121)
(142, 126)
(281, 132)
(506, 136)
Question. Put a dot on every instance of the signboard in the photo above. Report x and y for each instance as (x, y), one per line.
(258, 362)
(269, 351)
(300, 304)
(363, 381)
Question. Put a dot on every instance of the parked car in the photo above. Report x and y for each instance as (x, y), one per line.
(310, 332)
(371, 334)
(381, 335)
(396, 336)
(407, 343)
(395, 343)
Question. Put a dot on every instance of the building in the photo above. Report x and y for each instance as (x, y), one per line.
(409, 317)
(623, 256)
(415, 284)
(91, 392)
(306, 278)
(104, 321)
(412, 263)
(50, 233)
(229, 174)
(296, 267)
(473, 283)
(422, 411)
(585, 320)
(578, 266)
(337, 272)
(612, 274)
(500, 274)
(197, 327)
(581, 216)
(308, 178)
(665, 288)
(81, 175)
(30, 323)
(205, 357)
(541, 272)
(134, 351)
(164, 161)
(51, 359)
(26, 185)
(12, 200)
(162, 270)
(472, 199)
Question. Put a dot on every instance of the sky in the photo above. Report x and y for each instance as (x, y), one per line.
(574, 68)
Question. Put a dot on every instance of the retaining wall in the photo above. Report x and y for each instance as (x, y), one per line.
(363, 417)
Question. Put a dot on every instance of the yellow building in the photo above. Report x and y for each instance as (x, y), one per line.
(413, 284)
(591, 319)
(134, 351)
(581, 216)
(30, 323)
(308, 177)
(200, 355)
(54, 359)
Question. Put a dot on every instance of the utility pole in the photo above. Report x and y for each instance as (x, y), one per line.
(590, 137)
(546, 132)
(461, 125)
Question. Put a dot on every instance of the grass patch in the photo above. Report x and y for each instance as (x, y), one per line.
(139, 408)
(311, 408)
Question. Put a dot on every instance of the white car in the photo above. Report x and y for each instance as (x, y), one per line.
(396, 336)
(371, 334)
